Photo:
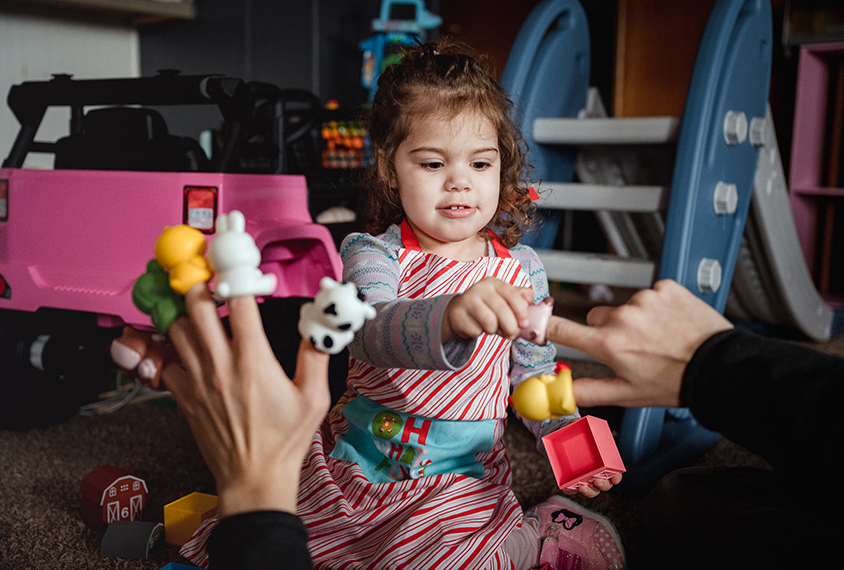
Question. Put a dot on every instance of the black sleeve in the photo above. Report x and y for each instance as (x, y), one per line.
(778, 399)
(259, 540)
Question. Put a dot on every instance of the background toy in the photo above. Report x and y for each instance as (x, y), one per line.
(393, 29)
(582, 452)
(331, 320)
(235, 258)
(141, 356)
(120, 177)
(183, 516)
(153, 295)
(180, 251)
(545, 397)
(110, 494)
(538, 314)
(130, 539)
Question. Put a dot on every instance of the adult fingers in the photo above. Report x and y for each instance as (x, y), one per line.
(247, 327)
(598, 316)
(202, 311)
(192, 353)
(569, 333)
(181, 385)
(312, 376)
(592, 392)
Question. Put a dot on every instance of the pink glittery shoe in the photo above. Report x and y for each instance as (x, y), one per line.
(575, 538)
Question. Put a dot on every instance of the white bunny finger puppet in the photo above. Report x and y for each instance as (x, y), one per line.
(235, 258)
(336, 312)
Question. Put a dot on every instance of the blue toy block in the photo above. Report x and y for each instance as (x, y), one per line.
(177, 566)
(547, 75)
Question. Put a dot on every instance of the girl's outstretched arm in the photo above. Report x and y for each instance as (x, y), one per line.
(406, 333)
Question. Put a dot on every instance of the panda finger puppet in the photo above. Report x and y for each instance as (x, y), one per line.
(336, 313)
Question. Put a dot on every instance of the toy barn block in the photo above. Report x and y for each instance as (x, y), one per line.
(582, 452)
(130, 539)
(111, 494)
(183, 516)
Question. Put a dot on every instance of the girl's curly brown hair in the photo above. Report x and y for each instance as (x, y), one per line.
(444, 77)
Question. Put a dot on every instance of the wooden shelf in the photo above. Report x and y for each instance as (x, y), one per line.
(817, 191)
(816, 156)
(132, 12)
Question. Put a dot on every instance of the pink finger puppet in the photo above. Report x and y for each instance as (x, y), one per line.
(538, 315)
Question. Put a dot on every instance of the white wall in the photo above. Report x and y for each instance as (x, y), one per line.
(33, 48)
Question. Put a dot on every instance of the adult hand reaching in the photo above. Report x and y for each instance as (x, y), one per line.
(648, 342)
(252, 423)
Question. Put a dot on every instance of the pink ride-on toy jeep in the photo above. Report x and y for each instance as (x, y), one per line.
(74, 239)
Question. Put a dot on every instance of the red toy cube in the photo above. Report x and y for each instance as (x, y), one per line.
(582, 452)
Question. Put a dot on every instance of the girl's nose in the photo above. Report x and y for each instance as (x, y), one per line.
(457, 181)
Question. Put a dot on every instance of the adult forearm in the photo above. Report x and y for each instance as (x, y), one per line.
(261, 539)
(776, 398)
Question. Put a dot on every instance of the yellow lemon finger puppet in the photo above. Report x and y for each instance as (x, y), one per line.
(545, 397)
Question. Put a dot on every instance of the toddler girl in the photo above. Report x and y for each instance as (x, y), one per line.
(409, 469)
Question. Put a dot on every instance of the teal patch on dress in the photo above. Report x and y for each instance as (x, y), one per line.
(392, 446)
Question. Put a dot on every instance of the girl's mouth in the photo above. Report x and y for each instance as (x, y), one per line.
(457, 211)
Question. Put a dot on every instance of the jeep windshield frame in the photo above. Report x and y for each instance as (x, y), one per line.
(30, 100)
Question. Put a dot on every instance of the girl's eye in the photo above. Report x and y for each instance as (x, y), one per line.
(481, 165)
(433, 165)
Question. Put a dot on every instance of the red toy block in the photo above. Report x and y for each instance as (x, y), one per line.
(111, 494)
(582, 452)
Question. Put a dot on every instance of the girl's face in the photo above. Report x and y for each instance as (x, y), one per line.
(448, 175)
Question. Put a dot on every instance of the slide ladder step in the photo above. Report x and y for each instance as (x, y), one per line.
(582, 196)
(581, 267)
(606, 130)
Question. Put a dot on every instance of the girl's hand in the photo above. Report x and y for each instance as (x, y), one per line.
(593, 490)
(252, 423)
(489, 306)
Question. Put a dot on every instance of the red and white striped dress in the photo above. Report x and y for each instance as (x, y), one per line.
(359, 515)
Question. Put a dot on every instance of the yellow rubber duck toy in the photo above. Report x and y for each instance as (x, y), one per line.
(180, 251)
(545, 397)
